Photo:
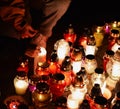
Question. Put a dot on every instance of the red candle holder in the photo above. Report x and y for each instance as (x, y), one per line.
(54, 67)
(23, 66)
(57, 85)
(70, 37)
(69, 77)
(66, 70)
(42, 69)
(107, 56)
(83, 41)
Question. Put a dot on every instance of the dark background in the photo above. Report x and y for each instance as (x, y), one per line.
(84, 13)
(89, 12)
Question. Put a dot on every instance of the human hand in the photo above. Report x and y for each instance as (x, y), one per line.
(28, 32)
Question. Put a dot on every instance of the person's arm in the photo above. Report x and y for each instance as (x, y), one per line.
(14, 11)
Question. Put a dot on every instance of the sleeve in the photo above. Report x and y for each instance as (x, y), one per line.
(13, 11)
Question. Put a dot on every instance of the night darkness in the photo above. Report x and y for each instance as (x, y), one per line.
(93, 11)
(83, 13)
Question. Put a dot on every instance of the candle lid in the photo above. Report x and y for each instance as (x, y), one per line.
(54, 57)
(77, 53)
(99, 70)
(85, 104)
(58, 76)
(81, 72)
(42, 87)
(70, 29)
(90, 56)
(110, 52)
(66, 64)
(118, 94)
(61, 101)
(91, 40)
(96, 90)
(79, 82)
(115, 31)
(35, 78)
(21, 74)
(44, 77)
(77, 48)
(101, 100)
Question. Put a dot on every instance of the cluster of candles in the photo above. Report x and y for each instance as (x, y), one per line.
(73, 68)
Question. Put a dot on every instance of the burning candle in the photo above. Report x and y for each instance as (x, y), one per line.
(114, 24)
(66, 69)
(90, 64)
(13, 102)
(99, 77)
(42, 69)
(116, 45)
(76, 66)
(40, 58)
(23, 65)
(115, 66)
(72, 103)
(13, 105)
(116, 69)
(91, 46)
(54, 66)
(76, 57)
(78, 88)
(63, 49)
(99, 36)
(42, 96)
(106, 93)
(21, 83)
(70, 35)
(57, 85)
(84, 37)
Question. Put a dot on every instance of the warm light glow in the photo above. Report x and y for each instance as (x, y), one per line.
(54, 67)
(23, 64)
(116, 69)
(61, 52)
(90, 66)
(78, 94)
(76, 66)
(107, 93)
(90, 50)
(14, 105)
(110, 83)
(100, 80)
(40, 58)
(114, 25)
(21, 86)
(99, 29)
(42, 52)
(98, 38)
(115, 47)
(63, 49)
(107, 28)
(72, 103)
